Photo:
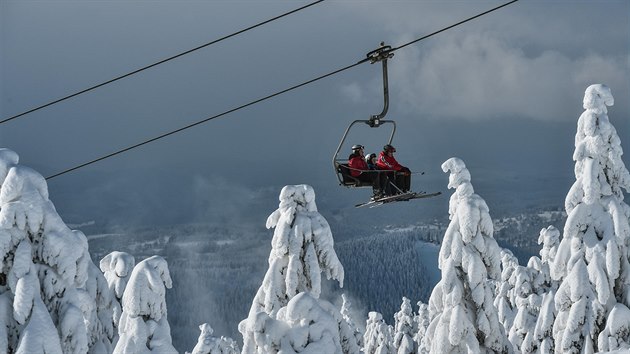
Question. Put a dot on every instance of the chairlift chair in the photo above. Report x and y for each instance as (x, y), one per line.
(342, 170)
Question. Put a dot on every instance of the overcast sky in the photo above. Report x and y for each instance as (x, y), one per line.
(502, 92)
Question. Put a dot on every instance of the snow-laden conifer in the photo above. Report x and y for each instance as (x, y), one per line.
(356, 336)
(421, 324)
(463, 316)
(504, 300)
(545, 286)
(527, 303)
(208, 344)
(102, 334)
(404, 329)
(302, 248)
(117, 267)
(592, 258)
(47, 303)
(378, 335)
(143, 326)
(306, 325)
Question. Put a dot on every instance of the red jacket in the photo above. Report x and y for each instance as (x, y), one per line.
(356, 162)
(386, 162)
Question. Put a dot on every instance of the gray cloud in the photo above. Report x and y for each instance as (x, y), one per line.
(479, 76)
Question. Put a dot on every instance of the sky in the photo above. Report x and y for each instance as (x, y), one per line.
(502, 92)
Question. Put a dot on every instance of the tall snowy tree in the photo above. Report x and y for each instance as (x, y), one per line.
(102, 334)
(527, 303)
(546, 288)
(143, 326)
(302, 248)
(117, 267)
(592, 259)
(404, 329)
(463, 316)
(357, 335)
(504, 300)
(422, 323)
(47, 304)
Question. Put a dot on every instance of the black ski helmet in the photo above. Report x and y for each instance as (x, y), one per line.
(357, 147)
(388, 147)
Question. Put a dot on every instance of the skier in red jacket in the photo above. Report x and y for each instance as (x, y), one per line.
(386, 161)
(359, 169)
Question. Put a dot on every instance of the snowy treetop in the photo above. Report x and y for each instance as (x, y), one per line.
(146, 291)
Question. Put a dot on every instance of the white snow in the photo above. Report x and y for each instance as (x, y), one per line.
(574, 298)
(143, 326)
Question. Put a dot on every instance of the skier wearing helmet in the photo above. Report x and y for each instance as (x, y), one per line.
(386, 161)
(359, 169)
(370, 159)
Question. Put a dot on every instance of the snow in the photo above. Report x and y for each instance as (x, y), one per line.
(302, 248)
(207, 344)
(574, 298)
(461, 308)
(117, 268)
(143, 326)
(593, 253)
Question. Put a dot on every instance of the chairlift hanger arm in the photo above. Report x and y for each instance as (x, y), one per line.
(381, 54)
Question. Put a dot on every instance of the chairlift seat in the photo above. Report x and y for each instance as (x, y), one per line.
(347, 179)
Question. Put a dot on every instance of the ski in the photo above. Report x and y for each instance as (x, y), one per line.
(397, 198)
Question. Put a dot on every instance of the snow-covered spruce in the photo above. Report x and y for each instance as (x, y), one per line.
(357, 335)
(404, 329)
(463, 316)
(302, 248)
(527, 303)
(117, 267)
(47, 304)
(143, 326)
(546, 288)
(504, 299)
(521, 294)
(592, 259)
(421, 324)
(378, 335)
(207, 344)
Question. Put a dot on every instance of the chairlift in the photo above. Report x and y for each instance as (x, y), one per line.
(341, 167)
(376, 121)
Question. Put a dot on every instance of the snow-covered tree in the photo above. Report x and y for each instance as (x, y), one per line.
(527, 303)
(99, 320)
(422, 321)
(504, 300)
(47, 304)
(404, 329)
(306, 325)
(143, 326)
(545, 288)
(378, 335)
(357, 335)
(549, 238)
(117, 267)
(207, 344)
(543, 333)
(302, 248)
(463, 316)
(592, 258)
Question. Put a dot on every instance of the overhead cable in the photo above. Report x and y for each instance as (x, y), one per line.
(159, 62)
(267, 97)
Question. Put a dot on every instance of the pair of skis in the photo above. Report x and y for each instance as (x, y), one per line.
(402, 197)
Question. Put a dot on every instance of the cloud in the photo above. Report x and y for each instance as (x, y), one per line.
(353, 92)
(481, 76)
